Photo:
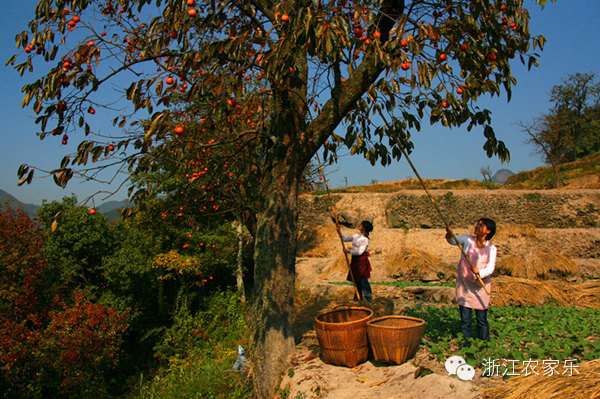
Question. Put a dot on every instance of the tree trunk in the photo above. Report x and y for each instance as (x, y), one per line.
(274, 269)
(293, 145)
(556, 169)
(240, 271)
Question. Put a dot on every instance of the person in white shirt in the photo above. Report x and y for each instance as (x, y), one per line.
(360, 265)
(469, 292)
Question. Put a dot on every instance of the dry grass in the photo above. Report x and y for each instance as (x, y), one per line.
(338, 265)
(311, 243)
(586, 294)
(513, 230)
(414, 184)
(514, 291)
(570, 172)
(537, 264)
(586, 385)
(412, 263)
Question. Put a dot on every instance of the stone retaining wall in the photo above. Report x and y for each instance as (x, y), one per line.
(543, 209)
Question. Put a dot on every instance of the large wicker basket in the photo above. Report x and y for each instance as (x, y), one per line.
(342, 335)
(395, 339)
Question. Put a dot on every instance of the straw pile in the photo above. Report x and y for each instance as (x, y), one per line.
(338, 265)
(414, 264)
(586, 295)
(586, 385)
(537, 265)
(513, 230)
(313, 242)
(514, 291)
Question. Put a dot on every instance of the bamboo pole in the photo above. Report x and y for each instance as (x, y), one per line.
(462, 250)
(337, 225)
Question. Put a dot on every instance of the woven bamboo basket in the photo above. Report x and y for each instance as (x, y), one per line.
(395, 339)
(342, 335)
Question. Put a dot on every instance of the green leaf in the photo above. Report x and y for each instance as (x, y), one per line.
(22, 181)
(11, 60)
(22, 170)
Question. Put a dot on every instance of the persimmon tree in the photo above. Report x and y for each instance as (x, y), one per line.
(286, 76)
(203, 181)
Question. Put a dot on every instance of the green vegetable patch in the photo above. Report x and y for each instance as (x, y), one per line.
(517, 333)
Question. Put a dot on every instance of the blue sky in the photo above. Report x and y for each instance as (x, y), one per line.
(571, 28)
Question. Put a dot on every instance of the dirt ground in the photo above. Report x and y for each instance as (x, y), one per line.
(309, 377)
(422, 376)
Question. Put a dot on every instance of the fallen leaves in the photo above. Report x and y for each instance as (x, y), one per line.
(378, 383)
(310, 357)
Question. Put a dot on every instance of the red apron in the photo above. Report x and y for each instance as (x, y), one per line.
(360, 266)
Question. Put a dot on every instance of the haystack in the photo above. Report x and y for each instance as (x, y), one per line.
(514, 291)
(414, 264)
(537, 264)
(339, 265)
(584, 385)
(513, 230)
(586, 295)
(317, 241)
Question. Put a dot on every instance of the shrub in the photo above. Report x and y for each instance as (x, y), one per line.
(19, 366)
(76, 246)
(81, 346)
(198, 352)
(22, 264)
(22, 301)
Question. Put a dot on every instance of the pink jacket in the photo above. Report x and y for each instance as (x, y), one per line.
(469, 292)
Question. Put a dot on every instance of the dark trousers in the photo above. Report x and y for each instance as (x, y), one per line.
(466, 318)
(364, 288)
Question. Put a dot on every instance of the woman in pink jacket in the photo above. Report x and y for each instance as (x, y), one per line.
(469, 292)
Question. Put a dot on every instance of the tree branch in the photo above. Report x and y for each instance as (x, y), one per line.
(346, 94)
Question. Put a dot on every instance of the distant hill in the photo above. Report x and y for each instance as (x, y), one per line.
(583, 173)
(30, 209)
(501, 176)
(110, 209)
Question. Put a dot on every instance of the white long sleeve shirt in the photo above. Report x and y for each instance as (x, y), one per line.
(360, 243)
(489, 250)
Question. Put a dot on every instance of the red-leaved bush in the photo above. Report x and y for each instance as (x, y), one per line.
(82, 343)
(22, 263)
(61, 347)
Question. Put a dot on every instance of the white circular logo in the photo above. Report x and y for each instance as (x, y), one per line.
(465, 372)
(453, 363)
